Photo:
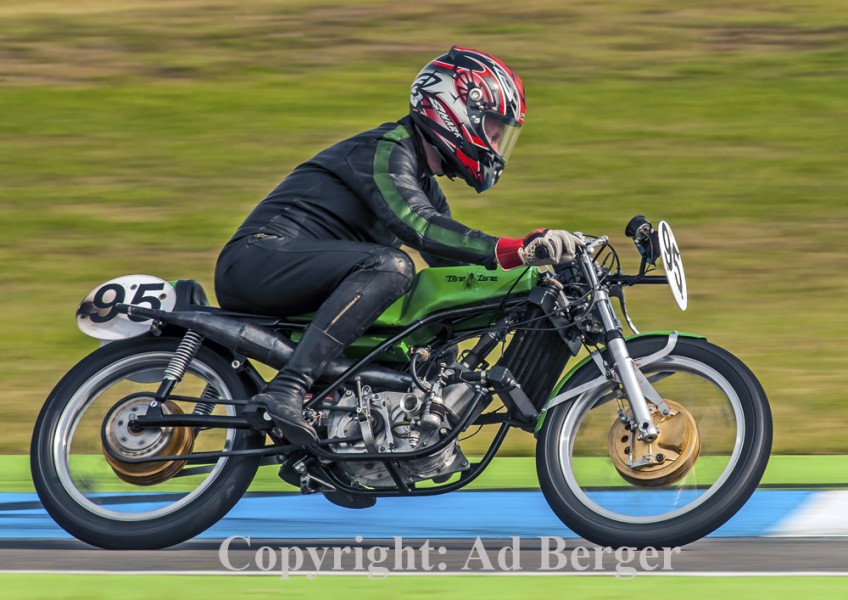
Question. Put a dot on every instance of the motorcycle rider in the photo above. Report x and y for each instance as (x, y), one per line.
(328, 237)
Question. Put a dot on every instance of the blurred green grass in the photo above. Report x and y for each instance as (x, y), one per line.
(506, 472)
(591, 588)
(137, 135)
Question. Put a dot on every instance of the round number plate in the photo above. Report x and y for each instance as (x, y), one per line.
(98, 317)
(673, 264)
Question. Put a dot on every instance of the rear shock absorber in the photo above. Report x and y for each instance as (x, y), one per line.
(205, 408)
(178, 365)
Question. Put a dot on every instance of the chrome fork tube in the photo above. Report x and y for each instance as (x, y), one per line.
(622, 363)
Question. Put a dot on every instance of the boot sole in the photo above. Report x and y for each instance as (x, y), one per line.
(296, 434)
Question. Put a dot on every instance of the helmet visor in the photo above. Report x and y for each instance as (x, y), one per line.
(500, 135)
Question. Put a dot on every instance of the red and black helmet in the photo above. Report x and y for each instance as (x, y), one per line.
(470, 107)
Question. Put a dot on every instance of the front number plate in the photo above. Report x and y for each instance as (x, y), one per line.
(673, 264)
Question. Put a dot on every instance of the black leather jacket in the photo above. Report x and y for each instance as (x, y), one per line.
(374, 187)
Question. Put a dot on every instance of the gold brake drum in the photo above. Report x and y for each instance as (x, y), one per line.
(146, 443)
(665, 460)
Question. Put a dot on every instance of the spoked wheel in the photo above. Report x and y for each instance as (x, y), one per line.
(84, 431)
(714, 442)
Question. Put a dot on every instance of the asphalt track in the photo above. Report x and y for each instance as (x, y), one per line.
(517, 531)
(742, 556)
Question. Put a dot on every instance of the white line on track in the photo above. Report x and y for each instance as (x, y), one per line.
(823, 515)
(312, 574)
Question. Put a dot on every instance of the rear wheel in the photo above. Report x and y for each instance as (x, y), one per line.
(711, 453)
(114, 504)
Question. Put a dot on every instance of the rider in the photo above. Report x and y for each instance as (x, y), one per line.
(328, 237)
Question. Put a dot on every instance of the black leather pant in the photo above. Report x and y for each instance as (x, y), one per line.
(350, 284)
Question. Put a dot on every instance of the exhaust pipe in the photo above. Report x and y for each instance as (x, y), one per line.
(262, 343)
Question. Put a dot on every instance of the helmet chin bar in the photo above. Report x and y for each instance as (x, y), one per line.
(489, 164)
(436, 138)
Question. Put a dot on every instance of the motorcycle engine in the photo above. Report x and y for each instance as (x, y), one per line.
(392, 422)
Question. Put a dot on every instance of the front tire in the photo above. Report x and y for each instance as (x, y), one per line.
(84, 494)
(595, 499)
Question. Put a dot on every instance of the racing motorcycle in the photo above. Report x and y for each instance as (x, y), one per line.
(655, 439)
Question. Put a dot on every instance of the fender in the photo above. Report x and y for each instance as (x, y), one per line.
(593, 362)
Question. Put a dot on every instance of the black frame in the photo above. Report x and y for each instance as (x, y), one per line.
(389, 460)
(452, 316)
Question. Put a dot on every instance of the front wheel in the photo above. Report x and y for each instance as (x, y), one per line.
(122, 505)
(712, 450)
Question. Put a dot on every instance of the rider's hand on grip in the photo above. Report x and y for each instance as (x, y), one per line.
(540, 247)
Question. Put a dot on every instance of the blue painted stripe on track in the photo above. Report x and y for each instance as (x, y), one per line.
(494, 514)
(763, 511)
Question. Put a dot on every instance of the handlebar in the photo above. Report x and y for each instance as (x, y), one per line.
(542, 253)
(638, 279)
(616, 278)
(592, 244)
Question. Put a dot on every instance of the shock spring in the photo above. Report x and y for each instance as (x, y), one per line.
(206, 408)
(188, 347)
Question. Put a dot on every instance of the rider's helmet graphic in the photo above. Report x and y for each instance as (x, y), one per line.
(470, 106)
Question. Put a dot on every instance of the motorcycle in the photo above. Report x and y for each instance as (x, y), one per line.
(655, 439)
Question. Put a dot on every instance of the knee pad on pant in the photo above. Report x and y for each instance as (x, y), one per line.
(388, 261)
(379, 280)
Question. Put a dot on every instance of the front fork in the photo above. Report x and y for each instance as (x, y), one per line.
(624, 367)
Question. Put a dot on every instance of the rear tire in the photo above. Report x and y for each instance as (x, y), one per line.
(64, 437)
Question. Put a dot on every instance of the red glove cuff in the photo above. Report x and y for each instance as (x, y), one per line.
(506, 252)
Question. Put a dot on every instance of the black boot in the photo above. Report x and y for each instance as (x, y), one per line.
(285, 405)
(283, 397)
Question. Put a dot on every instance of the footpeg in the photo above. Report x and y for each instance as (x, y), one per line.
(257, 416)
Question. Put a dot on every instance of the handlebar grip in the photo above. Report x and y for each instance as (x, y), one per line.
(541, 252)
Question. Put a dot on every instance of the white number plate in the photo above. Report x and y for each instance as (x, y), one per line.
(673, 264)
(98, 317)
